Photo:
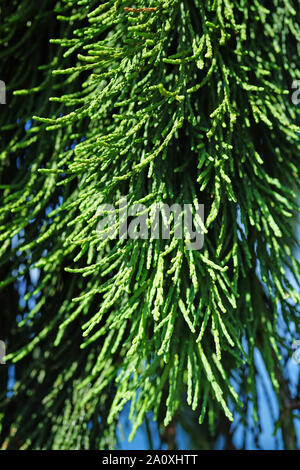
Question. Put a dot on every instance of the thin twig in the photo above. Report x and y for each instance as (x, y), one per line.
(139, 10)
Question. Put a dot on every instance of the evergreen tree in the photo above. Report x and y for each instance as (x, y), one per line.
(174, 101)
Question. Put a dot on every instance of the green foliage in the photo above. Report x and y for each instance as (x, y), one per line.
(186, 103)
